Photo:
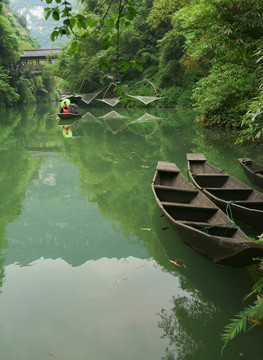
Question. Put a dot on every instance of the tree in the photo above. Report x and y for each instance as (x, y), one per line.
(105, 23)
(221, 37)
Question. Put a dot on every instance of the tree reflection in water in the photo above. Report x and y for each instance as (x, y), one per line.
(185, 326)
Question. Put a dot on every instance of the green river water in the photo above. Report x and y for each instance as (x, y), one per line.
(84, 252)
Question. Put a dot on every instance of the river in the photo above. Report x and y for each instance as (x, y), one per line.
(84, 252)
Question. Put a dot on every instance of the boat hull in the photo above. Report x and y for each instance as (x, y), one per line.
(253, 171)
(67, 116)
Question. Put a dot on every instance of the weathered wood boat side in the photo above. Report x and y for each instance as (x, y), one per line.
(199, 222)
(253, 170)
(65, 116)
(230, 194)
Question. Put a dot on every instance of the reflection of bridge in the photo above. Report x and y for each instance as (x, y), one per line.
(30, 59)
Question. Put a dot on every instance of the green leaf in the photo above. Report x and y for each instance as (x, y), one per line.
(110, 23)
(90, 21)
(103, 62)
(54, 35)
(139, 67)
(72, 23)
(55, 15)
(105, 43)
(125, 66)
(140, 60)
(47, 12)
(81, 24)
(66, 22)
(74, 47)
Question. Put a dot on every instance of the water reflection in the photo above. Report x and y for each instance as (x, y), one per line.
(66, 131)
(215, 294)
(115, 122)
(57, 221)
(94, 311)
(77, 225)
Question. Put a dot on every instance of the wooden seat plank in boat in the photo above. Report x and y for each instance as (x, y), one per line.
(199, 222)
(175, 194)
(188, 206)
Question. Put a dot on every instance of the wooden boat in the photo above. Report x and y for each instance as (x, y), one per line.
(69, 115)
(230, 194)
(199, 222)
(74, 111)
(253, 170)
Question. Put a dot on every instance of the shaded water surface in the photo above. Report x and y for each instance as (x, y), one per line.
(84, 252)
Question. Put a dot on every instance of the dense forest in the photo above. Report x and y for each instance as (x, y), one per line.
(18, 87)
(204, 54)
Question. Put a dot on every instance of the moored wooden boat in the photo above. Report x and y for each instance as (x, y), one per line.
(199, 222)
(230, 194)
(68, 115)
(74, 111)
(253, 170)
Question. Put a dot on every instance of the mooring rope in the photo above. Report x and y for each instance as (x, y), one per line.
(229, 211)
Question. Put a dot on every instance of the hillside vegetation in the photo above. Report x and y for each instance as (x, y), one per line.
(17, 87)
(200, 53)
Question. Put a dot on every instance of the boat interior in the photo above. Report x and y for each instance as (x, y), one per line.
(184, 203)
(253, 166)
(224, 186)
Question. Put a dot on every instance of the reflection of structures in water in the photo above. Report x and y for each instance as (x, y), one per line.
(88, 117)
(112, 115)
(67, 132)
(115, 120)
(141, 125)
(146, 117)
(145, 126)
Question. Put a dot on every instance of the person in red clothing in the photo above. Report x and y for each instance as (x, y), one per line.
(65, 107)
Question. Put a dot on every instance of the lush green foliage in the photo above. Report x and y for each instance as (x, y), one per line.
(17, 86)
(246, 319)
(8, 96)
(222, 96)
(202, 46)
(252, 122)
